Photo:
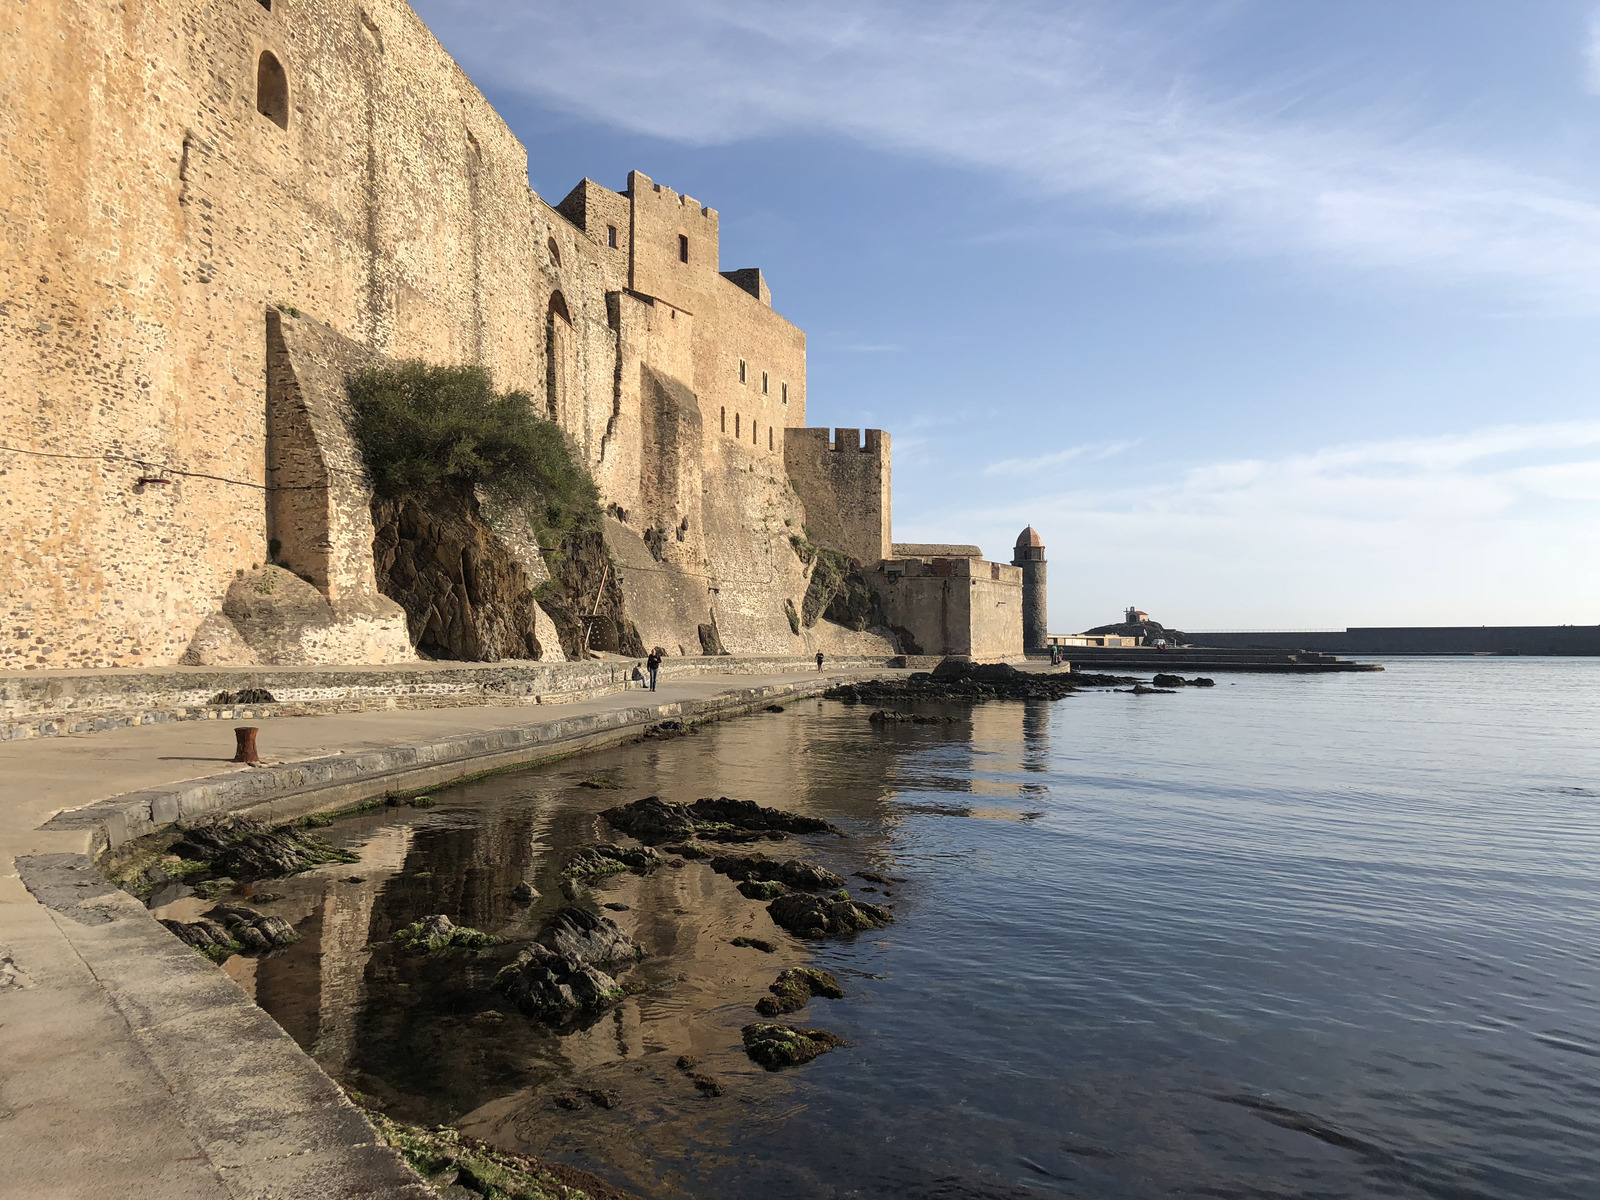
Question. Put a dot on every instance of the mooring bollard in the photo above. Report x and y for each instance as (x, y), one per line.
(246, 737)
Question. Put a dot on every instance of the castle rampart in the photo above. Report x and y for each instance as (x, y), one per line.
(844, 485)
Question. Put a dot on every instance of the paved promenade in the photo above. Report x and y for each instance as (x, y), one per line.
(131, 1066)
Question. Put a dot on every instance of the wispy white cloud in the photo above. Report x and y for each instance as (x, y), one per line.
(1498, 525)
(1085, 99)
(1056, 458)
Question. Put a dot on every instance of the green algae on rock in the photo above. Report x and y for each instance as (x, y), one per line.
(653, 820)
(596, 862)
(778, 1046)
(812, 916)
(793, 989)
(792, 872)
(437, 932)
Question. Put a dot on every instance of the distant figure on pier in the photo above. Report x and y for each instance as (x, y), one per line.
(653, 664)
(819, 660)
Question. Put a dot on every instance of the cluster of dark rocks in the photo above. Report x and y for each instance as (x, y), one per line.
(778, 1046)
(229, 929)
(962, 681)
(885, 717)
(788, 873)
(245, 696)
(794, 988)
(596, 862)
(832, 916)
(438, 932)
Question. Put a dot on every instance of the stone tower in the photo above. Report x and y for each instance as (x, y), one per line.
(1029, 555)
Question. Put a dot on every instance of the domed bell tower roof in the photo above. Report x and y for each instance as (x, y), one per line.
(1029, 539)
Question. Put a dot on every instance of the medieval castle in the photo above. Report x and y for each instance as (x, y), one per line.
(217, 209)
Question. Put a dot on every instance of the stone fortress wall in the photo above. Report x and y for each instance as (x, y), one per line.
(214, 208)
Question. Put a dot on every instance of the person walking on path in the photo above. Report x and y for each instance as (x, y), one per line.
(654, 665)
(819, 660)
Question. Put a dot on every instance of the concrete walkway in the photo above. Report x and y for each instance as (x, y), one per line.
(131, 1066)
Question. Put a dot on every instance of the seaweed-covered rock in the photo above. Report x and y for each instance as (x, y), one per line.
(790, 871)
(778, 1046)
(655, 820)
(437, 932)
(793, 989)
(559, 978)
(762, 889)
(245, 851)
(814, 916)
(595, 862)
(963, 681)
(752, 943)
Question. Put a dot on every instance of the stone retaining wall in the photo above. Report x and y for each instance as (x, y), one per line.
(34, 704)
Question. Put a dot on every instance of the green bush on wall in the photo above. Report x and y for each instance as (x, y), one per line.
(422, 427)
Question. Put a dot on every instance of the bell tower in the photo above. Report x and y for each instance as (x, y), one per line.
(1029, 555)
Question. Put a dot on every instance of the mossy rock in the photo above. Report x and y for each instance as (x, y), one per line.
(778, 1046)
(434, 933)
(793, 989)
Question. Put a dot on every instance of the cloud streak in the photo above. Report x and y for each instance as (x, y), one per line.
(1093, 451)
(1497, 525)
(1065, 100)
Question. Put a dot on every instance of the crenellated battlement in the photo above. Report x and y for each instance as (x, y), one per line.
(844, 483)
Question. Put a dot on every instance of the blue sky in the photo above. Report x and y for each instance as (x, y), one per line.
(1266, 314)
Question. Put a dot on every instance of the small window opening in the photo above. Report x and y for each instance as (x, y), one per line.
(555, 252)
(735, 424)
(783, 389)
(763, 383)
(724, 419)
(266, 4)
(754, 428)
(611, 236)
(769, 437)
(683, 247)
(558, 306)
(272, 90)
(741, 370)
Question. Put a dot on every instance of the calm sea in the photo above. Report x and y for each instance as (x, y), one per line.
(1287, 937)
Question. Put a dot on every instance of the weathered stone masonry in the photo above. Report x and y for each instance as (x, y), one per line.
(215, 208)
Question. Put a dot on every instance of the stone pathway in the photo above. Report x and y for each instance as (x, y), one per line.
(129, 1065)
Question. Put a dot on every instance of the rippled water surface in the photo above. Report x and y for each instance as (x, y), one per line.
(1305, 936)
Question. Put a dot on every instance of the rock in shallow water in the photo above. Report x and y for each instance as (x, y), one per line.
(813, 916)
(245, 851)
(437, 932)
(235, 929)
(655, 820)
(793, 989)
(594, 862)
(792, 872)
(559, 978)
(779, 1046)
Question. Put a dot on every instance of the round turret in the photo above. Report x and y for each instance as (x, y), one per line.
(1029, 555)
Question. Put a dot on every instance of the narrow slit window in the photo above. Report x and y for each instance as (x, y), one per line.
(555, 252)
(769, 437)
(741, 371)
(611, 236)
(724, 419)
(754, 428)
(683, 247)
(272, 90)
(783, 391)
(735, 424)
(763, 383)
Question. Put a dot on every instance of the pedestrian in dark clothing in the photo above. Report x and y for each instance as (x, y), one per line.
(654, 664)
(819, 660)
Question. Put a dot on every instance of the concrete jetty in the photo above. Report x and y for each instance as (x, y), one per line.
(132, 1066)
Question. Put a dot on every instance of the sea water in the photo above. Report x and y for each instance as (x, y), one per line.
(1290, 936)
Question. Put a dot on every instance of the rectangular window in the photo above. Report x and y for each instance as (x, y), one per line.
(735, 424)
(683, 247)
(741, 370)
(783, 389)
(611, 236)
(763, 383)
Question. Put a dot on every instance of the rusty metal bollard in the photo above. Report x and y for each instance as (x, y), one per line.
(246, 737)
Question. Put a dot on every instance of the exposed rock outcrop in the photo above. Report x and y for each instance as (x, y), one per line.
(793, 873)
(438, 932)
(244, 851)
(813, 916)
(465, 594)
(230, 929)
(562, 977)
(793, 989)
(655, 820)
(778, 1046)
